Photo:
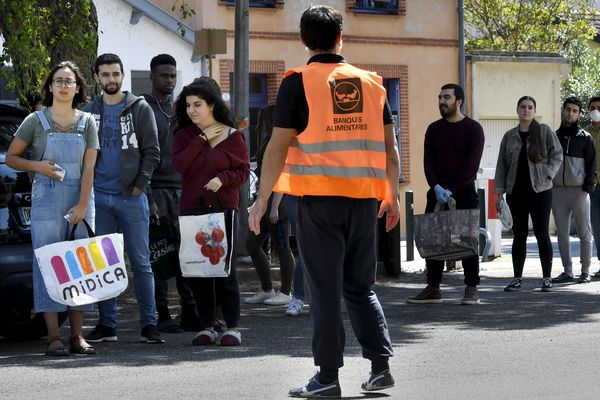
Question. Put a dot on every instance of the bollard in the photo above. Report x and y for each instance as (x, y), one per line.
(482, 224)
(410, 239)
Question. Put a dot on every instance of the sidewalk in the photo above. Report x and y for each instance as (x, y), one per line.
(501, 267)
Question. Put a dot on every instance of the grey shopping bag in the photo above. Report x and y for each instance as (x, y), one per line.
(449, 235)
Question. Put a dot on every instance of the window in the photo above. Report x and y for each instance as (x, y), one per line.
(140, 82)
(256, 3)
(257, 99)
(377, 6)
(392, 87)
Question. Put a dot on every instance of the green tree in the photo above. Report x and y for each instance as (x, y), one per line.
(527, 25)
(559, 26)
(40, 33)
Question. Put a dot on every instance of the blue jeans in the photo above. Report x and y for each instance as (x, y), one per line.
(129, 216)
(595, 217)
(291, 205)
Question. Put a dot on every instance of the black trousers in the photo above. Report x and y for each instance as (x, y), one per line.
(538, 205)
(208, 292)
(168, 206)
(465, 199)
(337, 240)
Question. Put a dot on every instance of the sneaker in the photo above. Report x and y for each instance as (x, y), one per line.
(584, 278)
(428, 295)
(102, 333)
(514, 286)
(281, 299)
(315, 389)
(260, 297)
(471, 296)
(383, 380)
(169, 326)
(562, 278)
(204, 338)
(295, 307)
(151, 335)
(547, 284)
(231, 338)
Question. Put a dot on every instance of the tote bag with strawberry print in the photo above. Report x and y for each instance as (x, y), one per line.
(206, 248)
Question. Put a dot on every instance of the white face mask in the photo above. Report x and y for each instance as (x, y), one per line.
(595, 115)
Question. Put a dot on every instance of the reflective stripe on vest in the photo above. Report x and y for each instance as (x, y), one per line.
(342, 150)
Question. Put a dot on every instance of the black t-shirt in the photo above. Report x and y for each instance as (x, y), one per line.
(291, 110)
(523, 179)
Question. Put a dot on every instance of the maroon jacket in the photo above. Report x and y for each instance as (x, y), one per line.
(198, 163)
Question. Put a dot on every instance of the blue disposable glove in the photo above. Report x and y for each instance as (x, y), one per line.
(442, 195)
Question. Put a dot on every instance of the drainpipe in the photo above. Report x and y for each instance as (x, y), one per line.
(461, 50)
(240, 108)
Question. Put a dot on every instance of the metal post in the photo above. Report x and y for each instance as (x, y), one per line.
(482, 219)
(240, 108)
(462, 76)
(410, 239)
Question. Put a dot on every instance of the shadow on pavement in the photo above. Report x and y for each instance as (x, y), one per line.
(267, 331)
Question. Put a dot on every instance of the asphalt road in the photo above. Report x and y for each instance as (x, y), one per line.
(527, 345)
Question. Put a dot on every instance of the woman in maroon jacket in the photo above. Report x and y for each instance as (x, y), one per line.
(212, 158)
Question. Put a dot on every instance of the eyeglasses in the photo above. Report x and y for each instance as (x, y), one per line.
(64, 82)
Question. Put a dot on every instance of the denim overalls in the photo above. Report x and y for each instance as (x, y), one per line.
(51, 199)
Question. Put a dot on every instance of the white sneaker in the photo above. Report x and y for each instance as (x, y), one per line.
(260, 297)
(281, 299)
(295, 307)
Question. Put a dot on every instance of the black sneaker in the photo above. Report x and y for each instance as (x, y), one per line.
(150, 334)
(429, 295)
(315, 389)
(383, 380)
(584, 278)
(562, 278)
(102, 333)
(471, 296)
(546, 285)
(514, 286)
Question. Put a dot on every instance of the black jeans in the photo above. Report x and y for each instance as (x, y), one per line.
(538, 205)
(168, 206)
(279, 234)
(465, 199)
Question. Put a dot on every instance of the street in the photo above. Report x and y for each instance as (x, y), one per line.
(527, 345)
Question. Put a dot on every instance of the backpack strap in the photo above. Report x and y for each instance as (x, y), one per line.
(43, 120)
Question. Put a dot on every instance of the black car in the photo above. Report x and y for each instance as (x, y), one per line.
(17, 320)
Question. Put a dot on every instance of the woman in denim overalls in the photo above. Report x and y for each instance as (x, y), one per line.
(65, 140)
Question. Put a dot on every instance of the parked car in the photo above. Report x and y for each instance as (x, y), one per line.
(17, 320)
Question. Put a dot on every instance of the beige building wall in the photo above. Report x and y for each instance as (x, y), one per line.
(419, 46)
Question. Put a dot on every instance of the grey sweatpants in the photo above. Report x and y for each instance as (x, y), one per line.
(567, 201)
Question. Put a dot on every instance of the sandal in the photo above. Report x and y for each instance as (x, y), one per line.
(59, 351)
(80, 346)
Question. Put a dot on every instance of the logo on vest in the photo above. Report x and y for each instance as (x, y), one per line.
(347, 95)
(86, 275)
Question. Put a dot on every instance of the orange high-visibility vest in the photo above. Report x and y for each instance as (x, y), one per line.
(342, 150)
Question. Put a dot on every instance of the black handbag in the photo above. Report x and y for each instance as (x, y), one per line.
(164, 248)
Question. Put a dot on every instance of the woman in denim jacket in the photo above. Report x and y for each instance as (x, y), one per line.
(525, 174)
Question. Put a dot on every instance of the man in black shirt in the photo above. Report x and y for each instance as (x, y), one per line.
(325, 110)
(453, 148)
(164, 192)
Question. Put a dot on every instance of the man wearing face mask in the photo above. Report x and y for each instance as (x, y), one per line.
(594, 129)
(575, 179)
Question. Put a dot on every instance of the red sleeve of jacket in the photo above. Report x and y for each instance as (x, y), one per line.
(237, 152)
(187, 146)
